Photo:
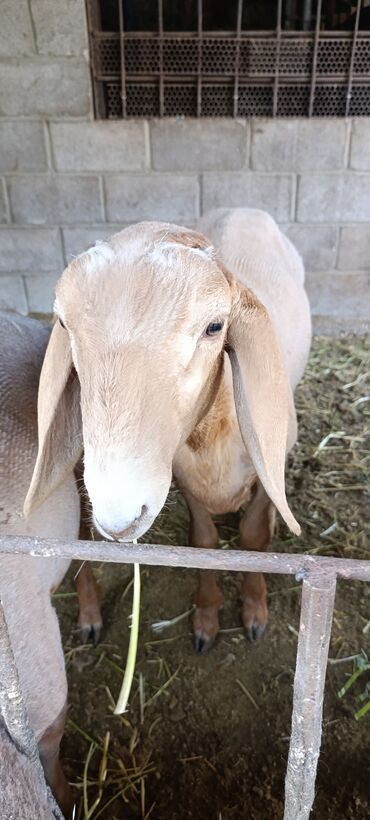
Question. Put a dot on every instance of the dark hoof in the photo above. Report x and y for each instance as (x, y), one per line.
(90, 633)
(254, 632)
(202, 645)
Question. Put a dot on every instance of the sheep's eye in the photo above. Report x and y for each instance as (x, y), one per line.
(61, 323)
(213, 328)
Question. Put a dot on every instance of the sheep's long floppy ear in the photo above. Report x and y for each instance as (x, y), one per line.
(263, 396)
(59, 420)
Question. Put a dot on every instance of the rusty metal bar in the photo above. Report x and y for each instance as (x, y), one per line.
(239, 15)
(93, 25)
(14, 716)
(317, 607)
(307, 15)
(314, 58)
(160, 57)
(190, 557)
(277, 59)
(200, 55)
(261, 34)
(290, 15)
(352, 58)
(122, 58)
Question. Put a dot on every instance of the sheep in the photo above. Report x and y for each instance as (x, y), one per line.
(186, 354)
(20, 787)
(26, 582)
(22, 782)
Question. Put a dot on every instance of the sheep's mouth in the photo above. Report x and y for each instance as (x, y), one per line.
(138, 528)
(101, 529)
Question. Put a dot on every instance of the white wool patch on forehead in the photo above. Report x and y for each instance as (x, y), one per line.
(164, 253)
(100, 254)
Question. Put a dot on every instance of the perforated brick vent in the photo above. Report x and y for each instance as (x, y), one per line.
(302, 67)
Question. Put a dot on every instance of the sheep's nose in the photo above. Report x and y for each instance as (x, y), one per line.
(127, 529)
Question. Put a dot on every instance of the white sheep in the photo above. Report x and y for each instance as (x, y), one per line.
(26, 582)
(21, 792)
(187, 351)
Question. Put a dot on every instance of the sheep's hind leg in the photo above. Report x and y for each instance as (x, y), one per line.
(208, 598)
(256, 531)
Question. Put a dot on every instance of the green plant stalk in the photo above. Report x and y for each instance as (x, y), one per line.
(132, 649)
(361, 712)
(350, 682)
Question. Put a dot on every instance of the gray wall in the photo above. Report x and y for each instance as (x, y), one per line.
(67, 180)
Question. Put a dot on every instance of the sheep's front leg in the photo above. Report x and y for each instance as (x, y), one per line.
(208, 598)
(90, 620)
(256, 530)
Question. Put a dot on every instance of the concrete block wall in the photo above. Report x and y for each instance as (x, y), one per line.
(67, 180)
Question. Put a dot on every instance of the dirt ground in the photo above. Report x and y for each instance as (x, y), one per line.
(207, 737)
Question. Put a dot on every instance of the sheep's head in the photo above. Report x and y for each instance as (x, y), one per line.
(133, 362)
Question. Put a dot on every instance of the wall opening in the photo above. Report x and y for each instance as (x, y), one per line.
(209, 58)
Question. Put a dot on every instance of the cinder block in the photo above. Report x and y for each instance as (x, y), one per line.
(12, 294)
(343, 297)
(22, 146)
(354, 248)
(16, 36)
(47, 88)
(271, 192)
(60, 27)
(162, 196)
(78, 240)
(48, 200)
(339, 326)
(298, 145)
(40, 292)
(334, 198)
(360, 144)
(30, 249)
(198, 145)
(99, 146)
(316, 244)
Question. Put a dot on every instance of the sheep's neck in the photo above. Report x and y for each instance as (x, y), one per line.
(219, 419)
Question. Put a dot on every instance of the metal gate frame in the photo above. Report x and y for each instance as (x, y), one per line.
(318, 575)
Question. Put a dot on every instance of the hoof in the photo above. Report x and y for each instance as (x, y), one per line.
(254, 617)
(254, 632)
(202, 644)
(205, 628)
(90, 633)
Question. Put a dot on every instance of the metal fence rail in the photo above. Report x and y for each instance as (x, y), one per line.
(287, 67)
(318, 575)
